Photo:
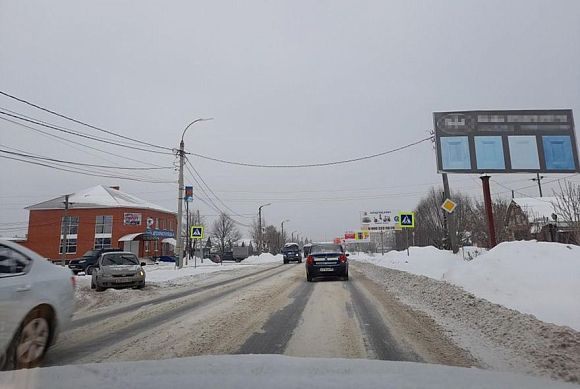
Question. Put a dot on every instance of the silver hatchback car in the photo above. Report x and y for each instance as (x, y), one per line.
(118, 269)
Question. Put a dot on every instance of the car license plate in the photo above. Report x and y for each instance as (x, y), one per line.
(121, 280)
(326, 269)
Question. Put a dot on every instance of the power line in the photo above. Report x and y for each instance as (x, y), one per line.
(333, 163)
(45, 133)
(213, 205)
(85, 172)
(81, 122)
(78, 163)
(75, 133)
(212, 192)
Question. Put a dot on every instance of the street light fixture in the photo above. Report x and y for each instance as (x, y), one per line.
(179, 240)
(260, 227)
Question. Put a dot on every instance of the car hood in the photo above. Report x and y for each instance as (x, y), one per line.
(120, 269)
(267, 371)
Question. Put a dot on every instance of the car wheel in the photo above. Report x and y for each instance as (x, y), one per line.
(285, 262)
(141, 285)
(308, 277)
(299, 261)
(89, 270)
(98, 287)
(31, 341)
(93, 285)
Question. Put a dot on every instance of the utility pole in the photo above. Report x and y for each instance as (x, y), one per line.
(539, 180)
(64, 230)
(179, 241)
(451, 227)
(260, 227)
(187, 239)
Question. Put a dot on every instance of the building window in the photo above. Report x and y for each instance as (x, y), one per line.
(103, 243)
(104, 225)
(103, 232)
(68, 234)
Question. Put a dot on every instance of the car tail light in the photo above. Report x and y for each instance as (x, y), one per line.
(310, 260)
(73, 282)
(342, 258)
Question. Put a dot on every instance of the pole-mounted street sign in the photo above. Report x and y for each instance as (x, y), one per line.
(196, 232)
(449, 205)
(407, 219)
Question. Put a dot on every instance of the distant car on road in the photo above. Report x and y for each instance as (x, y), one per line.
(36, 303)
(327, 259)
(88, 261)
(118, 269)
(291, 252)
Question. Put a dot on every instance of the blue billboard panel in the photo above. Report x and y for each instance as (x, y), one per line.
(506, 141)
(524, 152)
(558, 153)
(455, 153)
(489, 152)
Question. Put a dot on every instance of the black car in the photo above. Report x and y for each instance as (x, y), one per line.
(291, 252)
(88, 261)
(327, 260)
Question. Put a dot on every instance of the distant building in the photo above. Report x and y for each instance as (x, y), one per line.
(100, 217)
(536, 218)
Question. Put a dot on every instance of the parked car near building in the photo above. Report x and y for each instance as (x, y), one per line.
(88, 261)
(36, 303)
(118, 269)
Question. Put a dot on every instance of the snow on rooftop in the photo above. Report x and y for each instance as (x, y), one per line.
(537, 208)
(99, 197)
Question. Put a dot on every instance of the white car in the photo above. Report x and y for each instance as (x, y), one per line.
(36, 302)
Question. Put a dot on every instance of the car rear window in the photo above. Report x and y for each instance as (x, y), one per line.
(119, 259)
(326, 248)
(291, 247)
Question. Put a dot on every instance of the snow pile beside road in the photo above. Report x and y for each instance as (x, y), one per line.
(539, 278)
(263, 258)
(425, 261)
(166, 271)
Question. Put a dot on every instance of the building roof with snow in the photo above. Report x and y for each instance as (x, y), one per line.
(99, 197)
(537, 207)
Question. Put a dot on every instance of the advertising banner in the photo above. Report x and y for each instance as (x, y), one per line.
(132, 219)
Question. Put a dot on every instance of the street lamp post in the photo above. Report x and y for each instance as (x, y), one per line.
(179, 240)
(260, 227)
(282, 232)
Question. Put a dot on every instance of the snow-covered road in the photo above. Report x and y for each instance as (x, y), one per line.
(270, 309)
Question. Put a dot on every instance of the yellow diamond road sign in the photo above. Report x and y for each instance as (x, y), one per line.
(449, 205)
(196, 232)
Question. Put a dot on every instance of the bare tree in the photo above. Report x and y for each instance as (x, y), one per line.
(432, 220)
(225, 232)
(478, 222)
(567, 206)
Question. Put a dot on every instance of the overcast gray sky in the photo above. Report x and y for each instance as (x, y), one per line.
(287, 82)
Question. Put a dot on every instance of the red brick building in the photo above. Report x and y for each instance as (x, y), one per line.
(100, 217)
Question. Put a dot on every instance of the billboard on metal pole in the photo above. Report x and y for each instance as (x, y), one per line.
(528, 141)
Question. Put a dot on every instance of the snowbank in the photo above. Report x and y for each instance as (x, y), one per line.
(539, 278)
(263, 258)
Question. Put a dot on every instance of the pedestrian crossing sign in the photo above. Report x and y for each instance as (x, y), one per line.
(196, 232)
(407, 219)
